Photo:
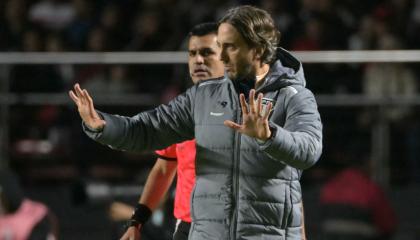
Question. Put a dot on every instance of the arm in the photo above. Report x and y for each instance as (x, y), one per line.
(299, 142)
(154, 129)
(158, 182)
(156, 187)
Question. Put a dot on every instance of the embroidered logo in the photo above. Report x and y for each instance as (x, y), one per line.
(266, 101)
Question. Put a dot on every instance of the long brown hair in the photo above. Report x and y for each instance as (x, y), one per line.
(256, 27)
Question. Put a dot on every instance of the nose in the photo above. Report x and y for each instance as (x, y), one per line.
(199, 59)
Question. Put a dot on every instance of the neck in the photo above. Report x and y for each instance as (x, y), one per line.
(260, 73)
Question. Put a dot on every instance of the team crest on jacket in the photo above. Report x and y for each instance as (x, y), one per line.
(265, 102)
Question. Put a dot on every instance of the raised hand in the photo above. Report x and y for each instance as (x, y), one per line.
(254, 118)
(86, 109)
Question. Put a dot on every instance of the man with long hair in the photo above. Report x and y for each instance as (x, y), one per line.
(256, 130)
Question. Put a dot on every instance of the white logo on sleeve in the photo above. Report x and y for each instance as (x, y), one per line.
(217, 114)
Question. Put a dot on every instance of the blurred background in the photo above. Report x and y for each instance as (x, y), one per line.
(370, 110)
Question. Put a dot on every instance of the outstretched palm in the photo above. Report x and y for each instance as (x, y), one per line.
(86, 109)
(254, 117)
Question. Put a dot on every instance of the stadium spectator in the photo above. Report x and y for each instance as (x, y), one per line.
(13, 23)
(20, 217)
(390, 79)
(355, 207)
(52, 14)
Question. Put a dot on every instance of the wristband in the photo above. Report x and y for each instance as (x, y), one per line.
(132, 223)
(141, 213)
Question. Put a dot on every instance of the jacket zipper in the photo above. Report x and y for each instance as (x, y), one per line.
(237, 152)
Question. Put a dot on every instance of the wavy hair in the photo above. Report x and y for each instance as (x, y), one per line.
(256, 27)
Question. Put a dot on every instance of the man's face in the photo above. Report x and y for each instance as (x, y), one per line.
(204, 57)
(239, 59)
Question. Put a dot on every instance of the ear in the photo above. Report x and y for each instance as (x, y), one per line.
(258, 52)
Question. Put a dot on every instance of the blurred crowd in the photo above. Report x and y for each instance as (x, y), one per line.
(162, 25)
(130, 25)
(46, 141)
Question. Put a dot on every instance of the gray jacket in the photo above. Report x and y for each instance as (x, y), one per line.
(244, 189)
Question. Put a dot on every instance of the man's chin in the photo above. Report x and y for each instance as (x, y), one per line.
(232, 76)
(196, 79)
(201, 76)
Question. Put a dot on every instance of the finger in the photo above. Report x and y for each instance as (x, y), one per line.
(252, 101)
(79, 94)
(78, 90)
(233, 125)
(74, 97)
(89, 102)
(259, 104)
(244, 105)
(92, 110)
(86, 97)
(267, 111)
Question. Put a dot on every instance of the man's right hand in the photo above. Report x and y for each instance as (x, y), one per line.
(132, 233)
(86, 109)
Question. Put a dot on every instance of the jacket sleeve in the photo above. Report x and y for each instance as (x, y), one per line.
(149, 130)
(299, 142)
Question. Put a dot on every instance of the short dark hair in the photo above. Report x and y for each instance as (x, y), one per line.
(203, 29)
(256, 27)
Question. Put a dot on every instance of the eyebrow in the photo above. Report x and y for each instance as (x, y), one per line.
(201, 49)
(225, 43)
(206, 48)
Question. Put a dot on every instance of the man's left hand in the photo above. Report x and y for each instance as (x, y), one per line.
(254, 117)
